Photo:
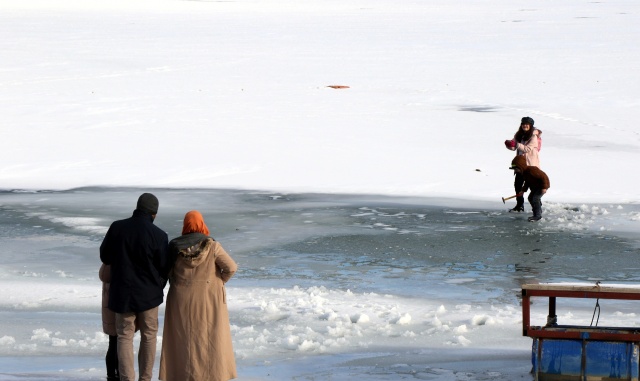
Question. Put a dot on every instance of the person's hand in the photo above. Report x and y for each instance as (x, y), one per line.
(544, 191)
(520, 194)
(510, 144)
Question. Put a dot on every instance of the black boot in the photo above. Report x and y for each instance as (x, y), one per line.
(111, 359)
(518, 209)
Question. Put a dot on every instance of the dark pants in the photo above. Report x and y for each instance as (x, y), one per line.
(112, 357)
(535, 197)
(517, 185)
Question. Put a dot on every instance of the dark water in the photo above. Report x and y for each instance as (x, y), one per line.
(316, 238)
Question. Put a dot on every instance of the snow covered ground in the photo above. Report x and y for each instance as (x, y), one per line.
(234, 94)
(406, 265)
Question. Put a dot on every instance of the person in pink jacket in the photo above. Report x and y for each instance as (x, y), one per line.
(526, 142)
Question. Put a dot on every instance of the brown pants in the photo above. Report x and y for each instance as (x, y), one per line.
(126, 324)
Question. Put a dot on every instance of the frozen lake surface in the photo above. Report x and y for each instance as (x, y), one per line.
(329, 287)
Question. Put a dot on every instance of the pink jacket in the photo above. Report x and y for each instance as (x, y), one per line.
(529, 149)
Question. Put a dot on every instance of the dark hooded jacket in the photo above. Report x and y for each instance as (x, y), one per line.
(137, 251)
(534, 177)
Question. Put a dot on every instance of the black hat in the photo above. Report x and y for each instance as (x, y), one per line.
(148, 203)
(527, 120)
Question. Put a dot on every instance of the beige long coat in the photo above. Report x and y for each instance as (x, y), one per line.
(108, 316)
(196, 343)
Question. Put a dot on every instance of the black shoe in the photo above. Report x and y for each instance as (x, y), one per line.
(518, 208)
(534, 218)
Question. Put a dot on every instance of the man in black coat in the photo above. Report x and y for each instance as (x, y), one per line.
(137, 251)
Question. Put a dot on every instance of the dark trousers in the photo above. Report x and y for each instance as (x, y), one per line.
(534, 198)
(112, 357)
(517, 185)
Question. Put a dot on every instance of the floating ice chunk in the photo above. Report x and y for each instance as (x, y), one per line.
(461, 329)
(270, 307)
(463, 341)
(100, 337)
(338, 331)
(292, 342)
(58, 342)
(567, 316)
(484, 320)
(41, 334)
(89, 224)
(28, 347)
(308, 346)
(462, 307)
(7, 340)
(31, 274)
(359, 318)
(329, 316)
(26, 305)
(481, 320)
(61, 273)
(617, 313)
(242, 330)
(402, 320)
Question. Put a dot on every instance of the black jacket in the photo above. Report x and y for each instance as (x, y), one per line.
(137, 251)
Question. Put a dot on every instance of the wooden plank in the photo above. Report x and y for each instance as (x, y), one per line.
(577, 335)
(582, 294)
(584, 287)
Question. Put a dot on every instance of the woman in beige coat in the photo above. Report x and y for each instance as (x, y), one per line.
(196, 343)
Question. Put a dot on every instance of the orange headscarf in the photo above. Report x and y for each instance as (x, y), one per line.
(194, 223)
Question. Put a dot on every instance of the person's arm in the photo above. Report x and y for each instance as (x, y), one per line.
(164, 255)
(105, 273)
(226, 265)
(105, 249)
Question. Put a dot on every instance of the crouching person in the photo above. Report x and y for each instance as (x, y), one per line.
(534, 179)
